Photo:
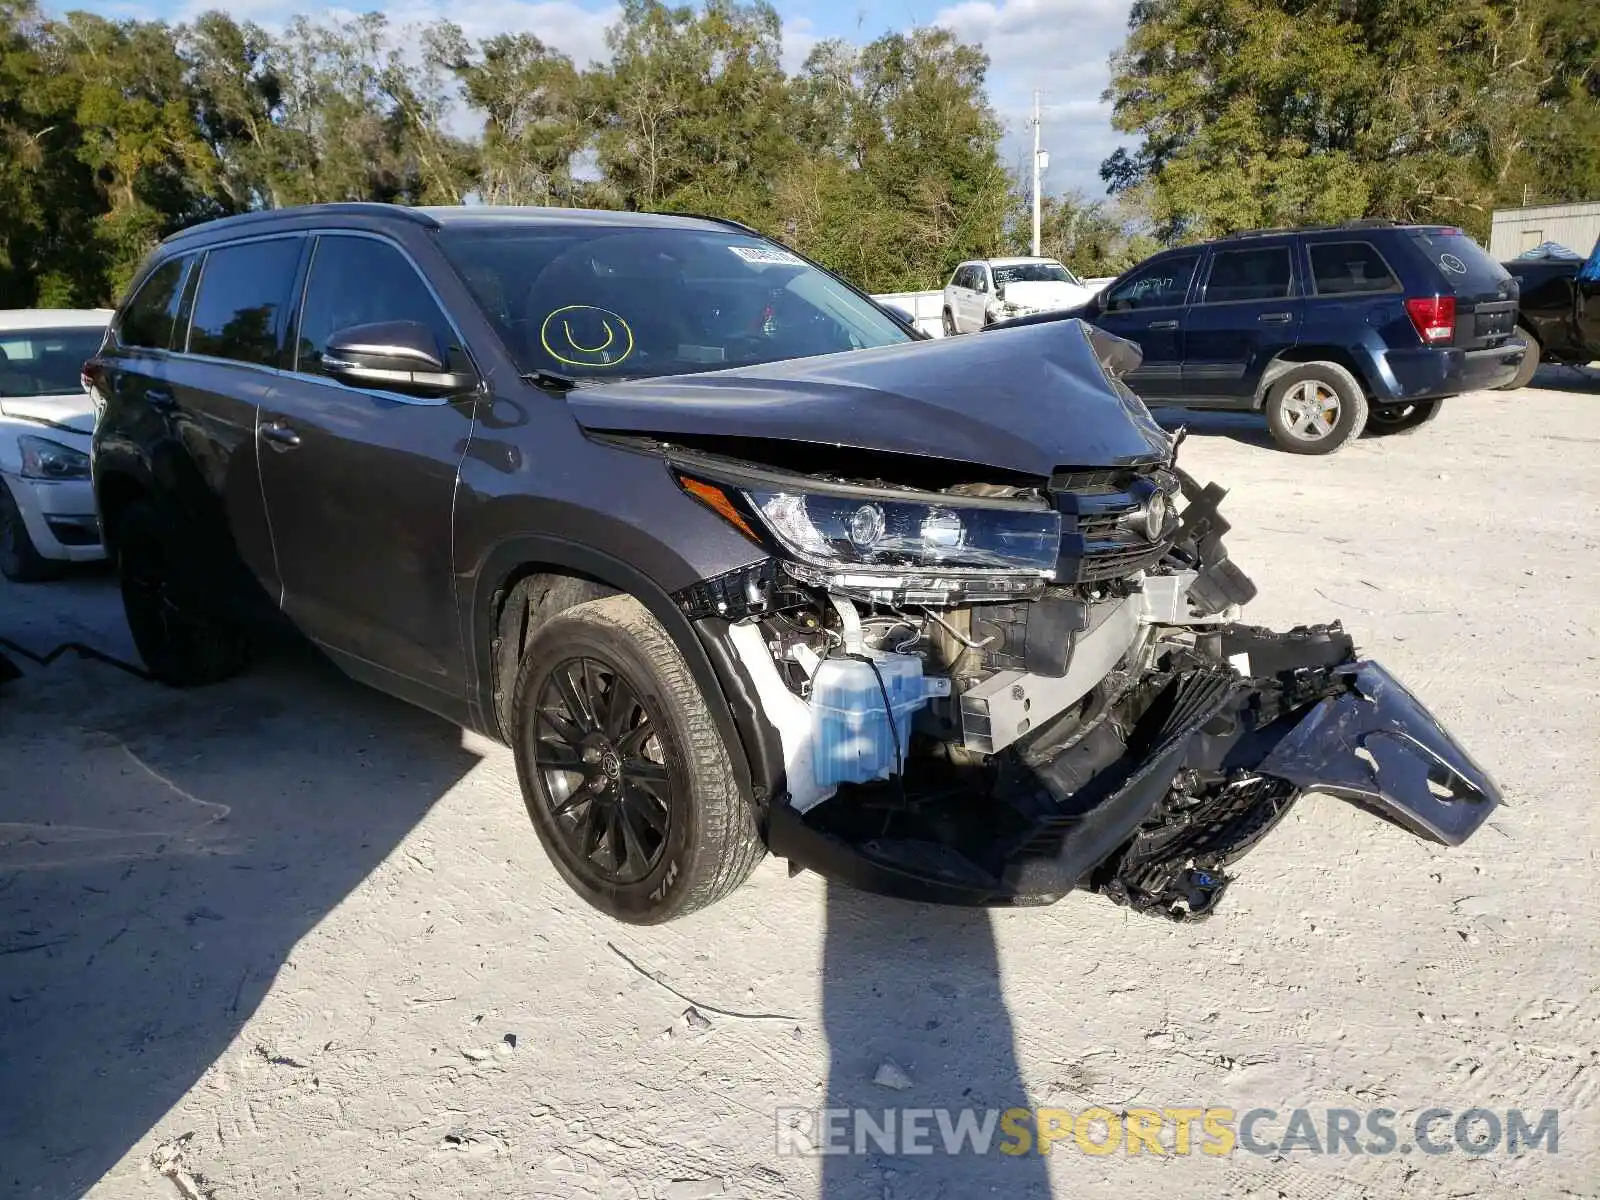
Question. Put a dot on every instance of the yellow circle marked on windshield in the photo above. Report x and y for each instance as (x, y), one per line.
(581, 335)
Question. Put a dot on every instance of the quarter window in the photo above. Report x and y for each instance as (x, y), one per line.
(361, 281)
(1257, 273)
(244, 290)
(147, 320)
(1160, 285)
(1344, 268)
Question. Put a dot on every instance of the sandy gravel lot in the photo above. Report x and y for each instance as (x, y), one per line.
(290, 938)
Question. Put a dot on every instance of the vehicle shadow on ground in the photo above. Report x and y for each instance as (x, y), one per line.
(1246, 427)
(1585, 380)
(917, 989)
(161, 855)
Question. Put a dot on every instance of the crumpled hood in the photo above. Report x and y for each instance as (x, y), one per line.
(1030, 400)
(1046, 294)
(72, 412)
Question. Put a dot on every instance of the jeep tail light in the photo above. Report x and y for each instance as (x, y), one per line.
(1434, 317)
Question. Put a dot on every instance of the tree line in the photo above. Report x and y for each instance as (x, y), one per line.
(1258, 113)
(883, 160)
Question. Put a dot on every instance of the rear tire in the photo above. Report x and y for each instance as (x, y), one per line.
(1401, 418)
(624, 773)
(179, 625)
(1316, 408)
(1529, 365)
(20, 560)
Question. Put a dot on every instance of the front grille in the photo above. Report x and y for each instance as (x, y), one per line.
(1116, 562)
(1096, 545)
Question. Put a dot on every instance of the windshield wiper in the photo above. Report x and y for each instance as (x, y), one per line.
(551, 381)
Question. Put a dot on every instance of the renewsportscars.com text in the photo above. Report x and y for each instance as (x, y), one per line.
(1166, 1131)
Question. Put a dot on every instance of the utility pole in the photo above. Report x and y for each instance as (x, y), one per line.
(1036, 167)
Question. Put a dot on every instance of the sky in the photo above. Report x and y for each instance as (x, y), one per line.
(1060, 46)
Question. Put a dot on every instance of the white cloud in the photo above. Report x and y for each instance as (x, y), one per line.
(1063, 47)
(572, 28)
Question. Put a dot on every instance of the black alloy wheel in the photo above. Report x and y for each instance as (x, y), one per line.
(624, 773)
(183, 636)
(602, 760)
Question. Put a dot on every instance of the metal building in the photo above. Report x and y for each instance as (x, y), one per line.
(1575, 226)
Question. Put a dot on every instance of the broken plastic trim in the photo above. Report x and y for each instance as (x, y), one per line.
(1377, 745)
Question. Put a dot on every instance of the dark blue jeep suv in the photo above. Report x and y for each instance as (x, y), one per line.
(1330, 331)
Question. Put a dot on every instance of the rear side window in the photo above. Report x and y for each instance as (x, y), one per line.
(1346, 268)
(1159, 285)
(45, 362)
(360, 281)
(1257, 273)
(147, 320)
(1463, 265)
(243, 292)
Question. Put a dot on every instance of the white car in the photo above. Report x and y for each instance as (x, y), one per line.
(47, 512)
(995, 289)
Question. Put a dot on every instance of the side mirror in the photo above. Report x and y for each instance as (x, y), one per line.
(396, 356)
(899, 314)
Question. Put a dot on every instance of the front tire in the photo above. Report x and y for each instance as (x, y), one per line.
(179, 626)
(1316, 408)
(1529, 364)
(623, 771)
(949, 322)
(20, 560)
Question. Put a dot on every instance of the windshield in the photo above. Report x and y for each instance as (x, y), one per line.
(1045, 272)
(1464, 265)
(609, 302)
(45, 362)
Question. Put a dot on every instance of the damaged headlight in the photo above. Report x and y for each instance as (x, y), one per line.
(873, 540)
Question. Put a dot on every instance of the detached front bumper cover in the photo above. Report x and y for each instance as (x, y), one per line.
(1377, 745)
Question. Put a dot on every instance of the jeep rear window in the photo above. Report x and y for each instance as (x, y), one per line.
(1463, 265)
(626, 301)
(1346, 268)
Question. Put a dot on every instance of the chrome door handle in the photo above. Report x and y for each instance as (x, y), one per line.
(1275, 318)
(1162, 325)
(280, 434)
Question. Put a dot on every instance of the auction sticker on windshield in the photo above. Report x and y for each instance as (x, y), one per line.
(768, 256)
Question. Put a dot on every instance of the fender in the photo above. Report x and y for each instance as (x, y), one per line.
(739, 730)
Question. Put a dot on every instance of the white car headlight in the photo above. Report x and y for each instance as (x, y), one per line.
(45, 459)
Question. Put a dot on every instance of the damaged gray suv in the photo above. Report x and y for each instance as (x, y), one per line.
(730, 558)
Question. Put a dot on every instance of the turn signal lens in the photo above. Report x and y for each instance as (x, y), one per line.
(717, 501)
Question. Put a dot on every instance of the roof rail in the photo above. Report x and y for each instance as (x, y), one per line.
(1354, 223)
(729, 221)
(344, 208)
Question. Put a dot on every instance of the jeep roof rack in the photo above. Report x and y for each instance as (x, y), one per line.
(1356, 223)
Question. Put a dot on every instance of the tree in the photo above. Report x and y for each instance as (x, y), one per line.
(1275, 112)
(533, 111)
(902, 179)
(1093, 238)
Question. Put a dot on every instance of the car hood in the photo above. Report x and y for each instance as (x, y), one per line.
(1046, 294)
(1030, 400)
(73, 412)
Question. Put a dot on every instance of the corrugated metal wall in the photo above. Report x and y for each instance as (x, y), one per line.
(1575, 226)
